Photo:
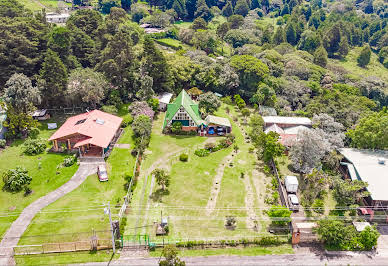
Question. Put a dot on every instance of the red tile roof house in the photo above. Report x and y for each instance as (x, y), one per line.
(91, 133)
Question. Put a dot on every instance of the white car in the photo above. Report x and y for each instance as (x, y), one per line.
(101, 172)
(294, 202)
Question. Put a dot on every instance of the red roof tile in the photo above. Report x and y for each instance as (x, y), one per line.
(98, 128)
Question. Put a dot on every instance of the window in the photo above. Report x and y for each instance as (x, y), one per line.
(80, 121)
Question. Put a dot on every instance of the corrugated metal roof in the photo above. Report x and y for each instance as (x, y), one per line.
(165, 97)
(287, 120)
(217, 120)
(366, 164)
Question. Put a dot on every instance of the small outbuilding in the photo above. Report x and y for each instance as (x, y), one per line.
(217, 125)
(164, 99)
(41, 115)
(57, 18)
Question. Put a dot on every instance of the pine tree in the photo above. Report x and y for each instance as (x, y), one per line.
(227, 11)
(266, 38)
(180, 8)
(291, 34)
(156, 66)
(53, 81)
(241, 8)
(343, 49)
(203, 11)
(285, 10)
(191, 7)
(364, 58)
(320, 56)
(126, 4)
(279, 36)
(255, 4)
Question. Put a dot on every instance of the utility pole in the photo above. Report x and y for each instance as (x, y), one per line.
(107, 211)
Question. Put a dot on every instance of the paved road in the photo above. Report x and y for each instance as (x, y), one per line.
(12, 236)
(292, 259)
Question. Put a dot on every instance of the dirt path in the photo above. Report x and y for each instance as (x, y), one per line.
(211, 204)
(250, 203)
(12, 236)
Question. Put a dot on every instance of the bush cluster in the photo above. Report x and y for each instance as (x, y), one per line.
(69, 161)
(2, 143)
(202, 152)
(211, 147)
(34, 146)
(264, 241)
(239, 101)
(183, 157)
(127, 120)
(16, 179)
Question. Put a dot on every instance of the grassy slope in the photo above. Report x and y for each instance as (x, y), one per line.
(374, 68)
(44, 180)
(90, 193)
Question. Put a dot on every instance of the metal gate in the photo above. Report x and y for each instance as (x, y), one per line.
(135, 240)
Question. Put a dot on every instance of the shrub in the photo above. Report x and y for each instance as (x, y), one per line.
(127, 120)
(176, 128)
(183, 157)
(2, 143)
(230, 221)
(111, 109)
(141, 108)
(27, 191)
(210, 146)
(69, 161)
(318, 206)
(154, 104)
(34, 146)
(33, 133)
(15, 179)
(202, 152)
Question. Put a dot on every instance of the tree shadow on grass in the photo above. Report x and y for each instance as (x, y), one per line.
(158, 195)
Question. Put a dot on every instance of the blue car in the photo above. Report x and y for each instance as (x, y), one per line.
(211, 131)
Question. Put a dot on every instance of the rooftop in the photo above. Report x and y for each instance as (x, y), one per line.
(165, 97)
(369, 168)
(287, 120)
(222, 121)
(98, 128)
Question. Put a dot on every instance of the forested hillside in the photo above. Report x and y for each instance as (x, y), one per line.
(302, 58)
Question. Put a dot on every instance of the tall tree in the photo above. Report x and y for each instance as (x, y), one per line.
(279, 36)
(291, 34)
(320, 57)
(53, 79)
(227, 10)
(20, 94)
(343, 49)
(191, 7)
(86, 86)
(180, 8)
(126, 4)
(241, 8)
(203, 10)
(156, 66)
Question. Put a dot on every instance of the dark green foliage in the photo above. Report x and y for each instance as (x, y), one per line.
(34, 146)
(235, 21)
(106, 5)
(237, 38)
(179, 6)
(170, 254)
(371, 132)
(16, 179)
(339, 236)
(199, 23)
(332, 39)
(383, 56)
(111, 109)
(59, 41)
(203, 10)
(285, 10)
(176, 127)
(349, 192)
(209, 102)
(142, 126)
(279, 36)
(241, 8)
(268, 146)
(127, 120)
(202, 152)
(156, 66)
(2, 143)
(126, 4)
(227, 10)
(291, 34)
(364, 58)
(18, 124)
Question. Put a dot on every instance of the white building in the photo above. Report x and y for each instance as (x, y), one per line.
(57, 18)
(164, 99)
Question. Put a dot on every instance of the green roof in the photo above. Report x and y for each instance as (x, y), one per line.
(190, 106)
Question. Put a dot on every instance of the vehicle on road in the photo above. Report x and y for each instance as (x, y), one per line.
(102, 173)
(294, 202)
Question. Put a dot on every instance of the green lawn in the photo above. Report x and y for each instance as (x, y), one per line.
(374, 68)
(44, 180)
(190, 186)
(65, 258)
(85, 201)
(31, 5)
(248, 251)
(183, 25)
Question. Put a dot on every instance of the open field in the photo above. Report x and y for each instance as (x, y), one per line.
(374, 68)
(85, 204)
(44, 180)
(188, 199)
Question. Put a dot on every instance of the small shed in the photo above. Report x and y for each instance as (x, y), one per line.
(218, 125)
(164, 99)
(41, 115)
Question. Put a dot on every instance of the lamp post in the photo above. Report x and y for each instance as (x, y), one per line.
(107, 211)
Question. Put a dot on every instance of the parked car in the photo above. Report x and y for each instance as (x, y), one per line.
(102, 174)
(294, 202)
(291, 183)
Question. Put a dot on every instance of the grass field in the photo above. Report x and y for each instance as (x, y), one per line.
(65, 258)
(183, 25)
(85, 203)
(248, 251)
(43, 181)
(374, 68)
(191, 186)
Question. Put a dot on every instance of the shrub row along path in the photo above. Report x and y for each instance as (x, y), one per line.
(12, 236)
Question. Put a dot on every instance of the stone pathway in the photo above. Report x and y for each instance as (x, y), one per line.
(123, 146)
(12, 236)
(211, 204)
